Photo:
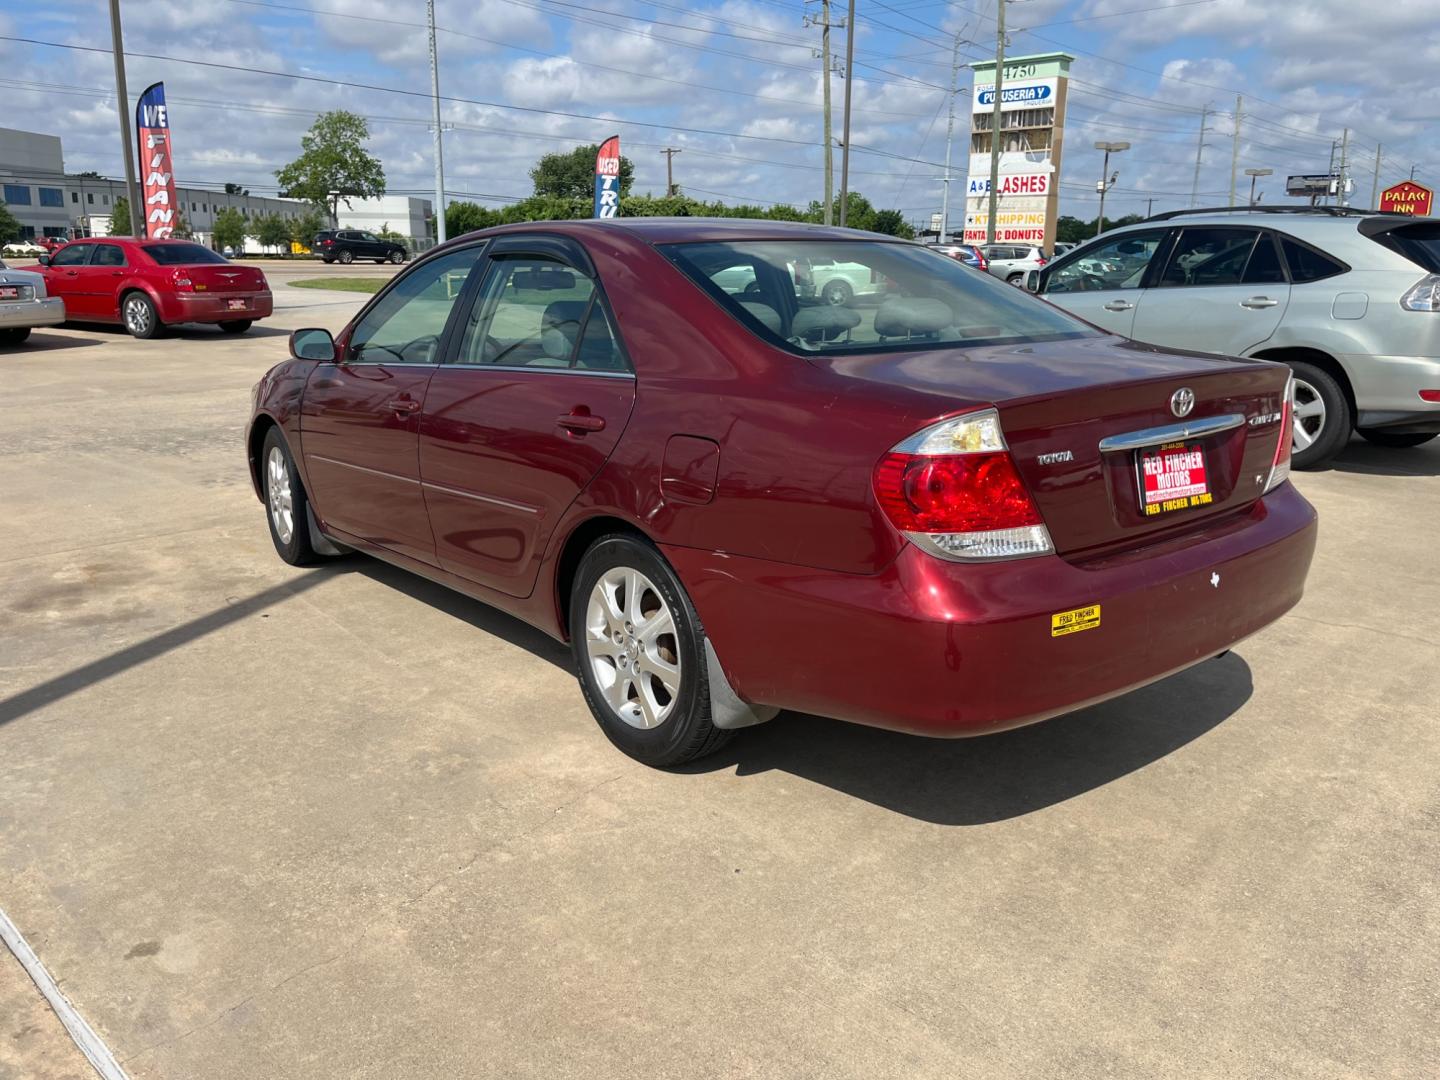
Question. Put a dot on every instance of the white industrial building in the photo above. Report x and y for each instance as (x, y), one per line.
(48, 201)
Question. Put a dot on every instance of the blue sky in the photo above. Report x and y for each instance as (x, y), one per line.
(734, 85)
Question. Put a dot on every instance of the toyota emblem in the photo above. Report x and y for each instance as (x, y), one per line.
(1182, 402)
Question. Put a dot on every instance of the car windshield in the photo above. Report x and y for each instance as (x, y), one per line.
(182, 254)
(865, 296)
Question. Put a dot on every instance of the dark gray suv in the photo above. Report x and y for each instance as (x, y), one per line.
(347, 245)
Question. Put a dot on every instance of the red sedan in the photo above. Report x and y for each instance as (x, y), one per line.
(946, 509)
(147, 285)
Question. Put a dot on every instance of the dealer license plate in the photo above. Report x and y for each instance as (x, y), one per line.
(9, 292)
(1172, 477)
(236, 305)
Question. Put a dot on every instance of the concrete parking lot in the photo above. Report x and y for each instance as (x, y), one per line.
(273, 823)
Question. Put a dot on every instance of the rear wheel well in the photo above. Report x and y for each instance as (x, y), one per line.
(258, 431)
(576, 544)
(1323, 361)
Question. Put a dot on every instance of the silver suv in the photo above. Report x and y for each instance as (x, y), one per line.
(1350, 300)
(1010, 262)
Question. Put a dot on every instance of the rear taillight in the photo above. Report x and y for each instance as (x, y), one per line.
(1280, 466)
(953, 490)
(1041, 262)
(181, 280)
(1423, 296)
(1430, 395)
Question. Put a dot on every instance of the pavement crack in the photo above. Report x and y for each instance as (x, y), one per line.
(1367, 629)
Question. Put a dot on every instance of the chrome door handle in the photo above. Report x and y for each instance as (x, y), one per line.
(1119, 305)
(580, 423)
(405, 405)
(1259, 302)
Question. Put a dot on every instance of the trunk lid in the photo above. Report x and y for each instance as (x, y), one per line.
(1058, 400)
(223, 277)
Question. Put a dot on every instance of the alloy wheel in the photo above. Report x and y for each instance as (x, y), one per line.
(278, 494)
(1309, 417)
(137, 316)
(631, 645)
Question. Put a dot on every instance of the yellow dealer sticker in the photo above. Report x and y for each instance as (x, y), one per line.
(1072, 622)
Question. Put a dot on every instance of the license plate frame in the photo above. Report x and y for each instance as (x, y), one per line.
(1179, 480)
(236, 305)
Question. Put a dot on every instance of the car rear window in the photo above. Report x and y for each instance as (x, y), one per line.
(817, 296)
(181, 254)
(1418, 242)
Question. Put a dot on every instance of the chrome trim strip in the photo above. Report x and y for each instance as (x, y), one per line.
(538, 368)
(1138, 440)
(362, 468)
(494, 500)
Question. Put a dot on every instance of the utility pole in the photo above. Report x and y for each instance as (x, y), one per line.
(949, 140)
(1344, 195)
(1235, 146)
(845, 144)
(992, 204)
(670, 153)
(439, 134)
(1375, 184)
(122, 102)
(824, 23)
(1199, 150)
(1148, 204)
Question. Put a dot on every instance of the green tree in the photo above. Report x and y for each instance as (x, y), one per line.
(304, 228)
(465, 217)
(9, 227)
(120, 217)
(891, 223)
(236, 189)
(230, 229)
(572, 176)
(180, 228)
(272, 230)
(333, 165)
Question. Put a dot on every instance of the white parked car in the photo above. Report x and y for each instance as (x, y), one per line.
(25, 304)
(23, 247)
(1009, 262)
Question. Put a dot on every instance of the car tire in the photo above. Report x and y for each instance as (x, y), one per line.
(1394, 440)
(286, 505)
(137, 312)
(14, 335)
(397, 256)
(837, 293)
(1015, 279)
(236, 326)
(1323, 412)
(347, 257)
(662, 717)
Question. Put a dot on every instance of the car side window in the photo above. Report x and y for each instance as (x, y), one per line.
(1204, 256)
(108, 255)
(537, 312)
(1307, 264)
(406, 323)
(1116, 264)
(73, 255)
(1264, 266)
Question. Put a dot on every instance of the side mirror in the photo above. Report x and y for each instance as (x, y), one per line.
(43, 260)
(313, 344)
(1032, 281)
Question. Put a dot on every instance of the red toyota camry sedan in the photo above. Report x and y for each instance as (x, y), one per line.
(146, 285)
(945, 507)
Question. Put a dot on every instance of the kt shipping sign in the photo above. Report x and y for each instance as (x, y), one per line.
(152, 125)
(1407, 197)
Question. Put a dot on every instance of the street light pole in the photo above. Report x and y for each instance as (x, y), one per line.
(1106, 180)
(949, 141)
(1255, 174)
(439, 134)
(992, 206)
(849, 78)
(122, 102)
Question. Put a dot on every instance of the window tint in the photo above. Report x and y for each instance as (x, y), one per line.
(1307, 264)
(1208, 257)
(534, 312)
(896, 296)
(1420, 243)
(1116, 264)
(108, 255)
(1264, 266)
(405, 324)
(183, 254)
(70, 255)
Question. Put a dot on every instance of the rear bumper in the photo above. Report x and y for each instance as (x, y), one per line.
(946, 649)
(1387, 391)
(16, 314)
(215, 307)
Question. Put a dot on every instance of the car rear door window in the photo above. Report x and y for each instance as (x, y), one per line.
(1208, 256)
(1264, 267)
(407, 322)
(1306, 264)
(108, 255)
(537, 312)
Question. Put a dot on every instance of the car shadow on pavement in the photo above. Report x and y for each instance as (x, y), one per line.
(995, 777)
(1361, 457)
(42, 342)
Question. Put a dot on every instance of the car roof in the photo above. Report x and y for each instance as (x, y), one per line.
(663, 230)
